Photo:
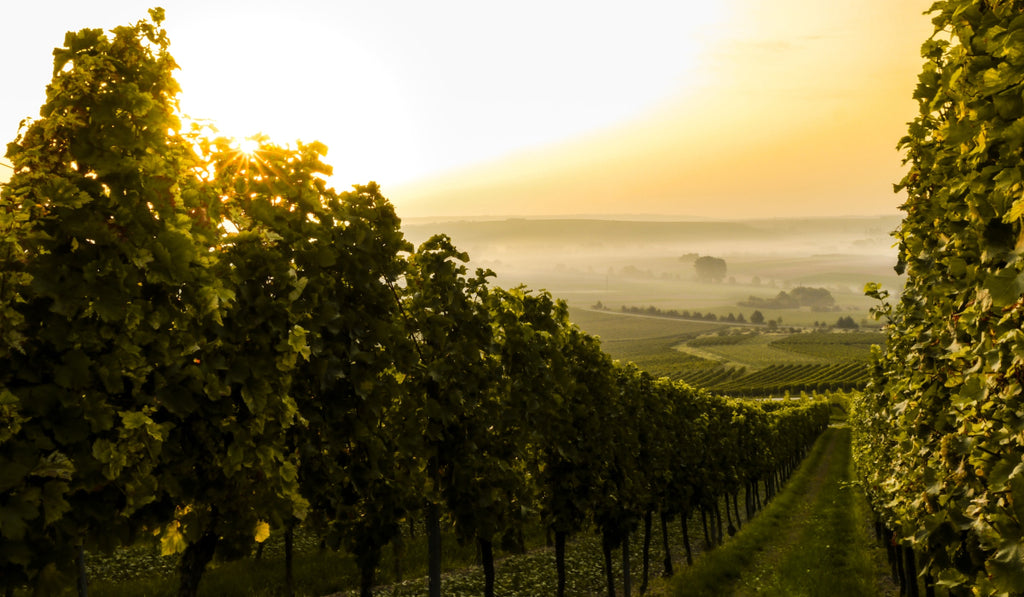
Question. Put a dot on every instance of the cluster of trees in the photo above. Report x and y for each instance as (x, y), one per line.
(846, 323)
(938, 435)
(843, 323)
(684, 314)
(207, 346)
(710, 269)
(817, 299)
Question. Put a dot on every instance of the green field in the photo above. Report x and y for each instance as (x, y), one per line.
(754, 351)
(854, 346)
(615, 328)
(734, 360)
(757, 351)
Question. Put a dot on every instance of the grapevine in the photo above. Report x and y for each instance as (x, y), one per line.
(938, 438)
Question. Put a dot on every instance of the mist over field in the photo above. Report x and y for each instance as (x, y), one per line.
(651, 263)
(521, 239)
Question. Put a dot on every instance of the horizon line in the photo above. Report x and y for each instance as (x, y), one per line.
(636, 217)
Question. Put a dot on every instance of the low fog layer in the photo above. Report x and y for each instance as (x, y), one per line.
(619, 262)
(520, 241)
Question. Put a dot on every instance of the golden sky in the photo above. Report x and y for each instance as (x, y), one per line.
(543, 107)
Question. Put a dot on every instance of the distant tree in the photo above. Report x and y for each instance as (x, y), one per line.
(740, 318)
(710, 269)
(780, 301)
(599, 306)
(847, 323)
(818, 299)
(757, 317)
(785, 301)
(772, 324)
(730, 318)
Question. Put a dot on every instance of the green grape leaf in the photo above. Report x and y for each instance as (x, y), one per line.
(1004, 286)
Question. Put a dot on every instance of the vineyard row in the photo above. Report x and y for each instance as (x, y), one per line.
(203, 346)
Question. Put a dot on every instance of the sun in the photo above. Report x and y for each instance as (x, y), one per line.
(248, 146)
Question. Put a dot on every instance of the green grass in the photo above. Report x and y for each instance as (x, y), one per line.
(810, 541)
(834, 346)
(756, 351)
(613, 327)
(719, 340)
(828, 556)
(646, 341)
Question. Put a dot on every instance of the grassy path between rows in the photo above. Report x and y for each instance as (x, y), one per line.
(814, 539)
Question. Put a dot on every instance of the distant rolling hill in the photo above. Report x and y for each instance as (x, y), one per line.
(803, 236)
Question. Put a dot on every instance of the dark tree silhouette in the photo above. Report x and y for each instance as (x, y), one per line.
(710, 269)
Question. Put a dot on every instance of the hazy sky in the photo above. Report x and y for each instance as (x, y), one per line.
(719, 108)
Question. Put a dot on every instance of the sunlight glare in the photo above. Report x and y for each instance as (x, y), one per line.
(248, 146)
(451, 86)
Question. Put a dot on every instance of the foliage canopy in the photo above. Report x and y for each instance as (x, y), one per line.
(710, 269)
(938, 437)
